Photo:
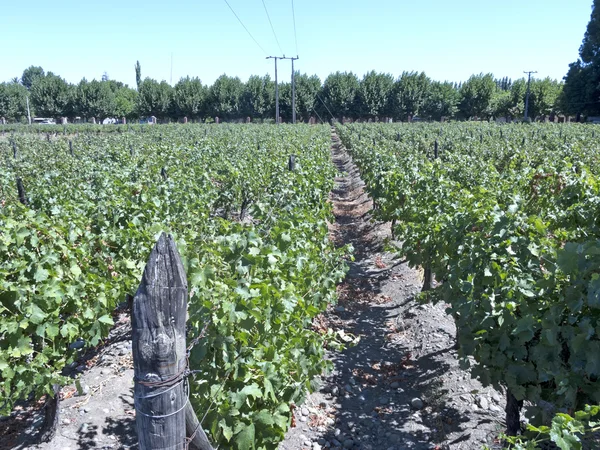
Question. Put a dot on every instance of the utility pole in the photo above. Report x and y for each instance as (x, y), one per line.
(276, 88)
(528, 91)
(293, 90)
(28, 111)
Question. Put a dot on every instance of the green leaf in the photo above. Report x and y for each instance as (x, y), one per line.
(106, 319)
(252, 390)
(37, 315)
(75, 270)
(593, 297)
(245, 438)
(263, 417)
(227, 430)
(40, 275)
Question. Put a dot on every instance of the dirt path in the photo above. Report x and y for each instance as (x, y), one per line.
(400, 387)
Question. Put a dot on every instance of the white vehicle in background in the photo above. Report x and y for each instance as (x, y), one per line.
(43, 121)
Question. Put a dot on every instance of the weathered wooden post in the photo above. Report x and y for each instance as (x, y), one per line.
(427, 275)
(21, 191)
(164, 417)
(71, 147)
(292, 163)
(159, 350)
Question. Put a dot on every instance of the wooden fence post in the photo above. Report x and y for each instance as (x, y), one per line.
(163, 412)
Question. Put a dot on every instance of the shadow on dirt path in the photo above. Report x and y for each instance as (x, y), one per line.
(400, 387)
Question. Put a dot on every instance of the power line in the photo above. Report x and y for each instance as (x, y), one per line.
(295, 36)
(242, 23)
(272, 29)
(332, 116)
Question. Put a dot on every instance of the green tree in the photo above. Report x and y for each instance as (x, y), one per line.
(13, 103)
(225, 97)
(30, 75)
(578, 90)
(581, 93)
(409, 94)
(154, 99)
(441, 101)
(125, 103)
(374, 94)
(51, 96)
(189, 98)
(307, 89)
(477, 94)
(138, 74)
(544, 97)
(339, 95)
(94, 99)
(258, 98)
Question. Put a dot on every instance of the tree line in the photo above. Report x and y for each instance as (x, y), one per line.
(341, 94)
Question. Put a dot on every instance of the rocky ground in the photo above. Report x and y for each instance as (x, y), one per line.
(399, 388)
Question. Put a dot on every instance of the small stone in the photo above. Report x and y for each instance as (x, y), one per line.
(348, 388)
(85, 390)
(322, 441)
(66, 422)
(337, 432)
(384, 400)
(106, 411)
(305, 411)
(483, 402)
(105, 371)
(352, 381)
(335, 391)
(79, 343)
(496, 397)
(362, 398)
(323, 404)
(302, 418)
(416, 403)
(316, 446)
(340, 309)
(336, 443)
(84, 428)
(81, 368)
(307, 443)
(395, 385)
(348, 443)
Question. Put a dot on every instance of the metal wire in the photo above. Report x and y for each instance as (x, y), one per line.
(247, 31)
(294, 18)
(272, 29)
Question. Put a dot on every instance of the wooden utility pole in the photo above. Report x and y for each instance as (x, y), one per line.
(276, 89)
(28, 110)
(293, 90)
(164, 417)
(528, 91)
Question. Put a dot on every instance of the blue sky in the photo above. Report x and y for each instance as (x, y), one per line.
(449, 40)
